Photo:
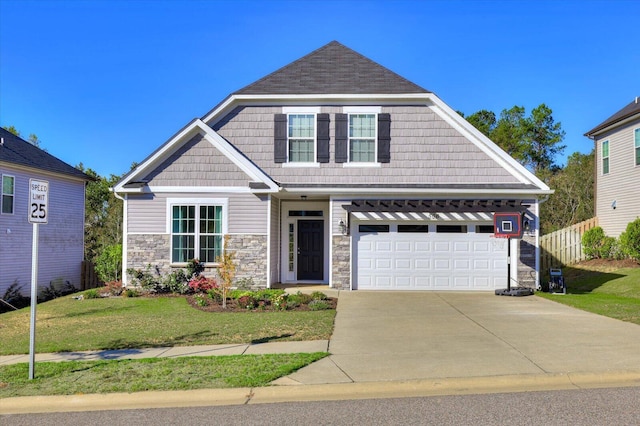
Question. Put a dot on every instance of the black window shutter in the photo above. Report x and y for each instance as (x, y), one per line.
(323, 138)
(342, 141)
(384, 138)
(280, 138)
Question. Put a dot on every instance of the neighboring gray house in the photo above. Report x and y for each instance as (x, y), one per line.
(617, 147)
(335, 170)
(61, 240)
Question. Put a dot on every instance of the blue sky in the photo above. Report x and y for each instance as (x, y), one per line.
(106, 82)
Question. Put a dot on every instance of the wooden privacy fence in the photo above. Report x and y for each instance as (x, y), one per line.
(88, 278)
(564, 246)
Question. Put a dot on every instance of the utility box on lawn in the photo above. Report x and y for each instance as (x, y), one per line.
(556, 282)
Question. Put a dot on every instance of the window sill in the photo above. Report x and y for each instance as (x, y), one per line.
(300, 165)
(354, 164)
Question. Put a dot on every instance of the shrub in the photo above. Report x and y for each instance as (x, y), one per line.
(318, 295)
(630, 240)
(299, 298)
(194, 268)
(247, 301)
(92, 294)
(13, 298)
(114, 288)
(202, 284)
(130, 292)
(267, 294)
(109, 263)
(279, 302)
(175, 282)
(318, 305)
(200, 300)
(592, 242)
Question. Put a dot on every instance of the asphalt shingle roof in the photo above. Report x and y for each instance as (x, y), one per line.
(630, 110)
(16, 150)
(332, 69)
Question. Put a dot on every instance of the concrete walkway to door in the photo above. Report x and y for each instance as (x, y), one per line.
(401, 336)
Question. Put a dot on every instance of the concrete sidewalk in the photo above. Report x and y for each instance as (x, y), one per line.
(176, 351)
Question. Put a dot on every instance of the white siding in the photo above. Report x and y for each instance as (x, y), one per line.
(61, 240)
(620, 185)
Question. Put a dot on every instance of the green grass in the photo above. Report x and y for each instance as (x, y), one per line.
(606, 291)
(66, 324)
(158, 374)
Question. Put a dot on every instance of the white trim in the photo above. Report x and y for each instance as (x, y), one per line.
(125, 243)
(200, 189)
(602, 157)
(315, 141)
(356, 164)
(427, 192)
(13, 195)
(352, 109)
(268, 277)
(300, 164)
(636, 132)
(300, 110)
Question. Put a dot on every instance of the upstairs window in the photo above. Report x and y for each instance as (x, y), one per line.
(8, 194)
(302, 138)
(605, 157)
(196, 233)
(362, 138)
(637, 146)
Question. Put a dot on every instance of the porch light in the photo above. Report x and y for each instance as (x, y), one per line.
(343, 228)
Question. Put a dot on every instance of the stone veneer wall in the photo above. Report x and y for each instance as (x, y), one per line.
(341, 269)
(250, 258)
(154, 249)
(527, 262)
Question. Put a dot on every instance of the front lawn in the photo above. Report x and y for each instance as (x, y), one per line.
(604, 288)
(67, 324)
(157, 374)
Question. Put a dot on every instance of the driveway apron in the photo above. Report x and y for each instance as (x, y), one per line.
(383, 335)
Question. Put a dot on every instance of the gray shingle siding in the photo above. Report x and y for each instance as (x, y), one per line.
(424, 149)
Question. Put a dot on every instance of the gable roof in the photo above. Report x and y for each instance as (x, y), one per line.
(331, 69)
(15, 150)
(627, 112)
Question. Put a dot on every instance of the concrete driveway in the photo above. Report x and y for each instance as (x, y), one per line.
(399, 336)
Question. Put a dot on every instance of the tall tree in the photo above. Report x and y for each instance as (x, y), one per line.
(33, 139)
(534, 140)
(573, 200)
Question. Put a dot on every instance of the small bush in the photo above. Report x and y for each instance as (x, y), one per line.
(279, 302)
(247, 302)
(130, 292)
(194, 268)
(200, 300)
(202, 284)
(109, 263)
(114, 288)
(267, 294)
(92, 294)
(630, 240)
(318, 295)
(592, 242)
(318, 305)
(300, 298)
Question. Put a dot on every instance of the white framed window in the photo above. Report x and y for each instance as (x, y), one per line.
(197, 229)
(636, 145)
(8, 194)
(362, 137)
(301, 137)
(605, 157)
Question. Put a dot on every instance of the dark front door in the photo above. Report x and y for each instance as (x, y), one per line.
(310, 250)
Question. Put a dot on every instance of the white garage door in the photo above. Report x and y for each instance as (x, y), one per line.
(428, 257)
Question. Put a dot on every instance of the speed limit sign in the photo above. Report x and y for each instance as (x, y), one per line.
(38, 201)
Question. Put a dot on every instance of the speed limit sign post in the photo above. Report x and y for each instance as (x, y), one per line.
(38, 214)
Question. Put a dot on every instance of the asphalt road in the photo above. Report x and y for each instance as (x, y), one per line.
(614, 406)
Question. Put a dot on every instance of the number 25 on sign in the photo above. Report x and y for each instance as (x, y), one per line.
(38, 201)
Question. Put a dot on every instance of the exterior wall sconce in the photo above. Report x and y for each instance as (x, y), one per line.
(344, 230)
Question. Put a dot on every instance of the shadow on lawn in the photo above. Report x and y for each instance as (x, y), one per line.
(583, 281)
(270, 338)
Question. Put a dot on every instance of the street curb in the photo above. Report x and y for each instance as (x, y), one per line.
(324, 392)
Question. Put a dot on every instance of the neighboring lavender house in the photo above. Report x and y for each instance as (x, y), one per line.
(61, 240)
(617, 147)
(334, 170)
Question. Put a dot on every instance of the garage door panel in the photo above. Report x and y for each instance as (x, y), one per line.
(429, 261)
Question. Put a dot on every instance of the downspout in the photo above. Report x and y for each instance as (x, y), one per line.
(538, 285)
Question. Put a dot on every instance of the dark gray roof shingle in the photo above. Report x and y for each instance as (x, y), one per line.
(332, 69)
(630, 110)
(16, 150)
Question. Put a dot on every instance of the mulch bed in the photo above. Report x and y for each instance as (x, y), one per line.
(608, 264)
(232, 306)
